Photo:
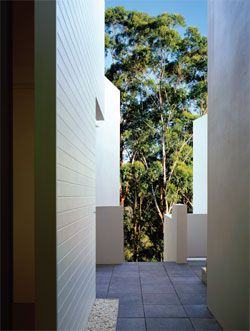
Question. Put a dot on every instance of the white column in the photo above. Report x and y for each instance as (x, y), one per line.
(200, 165)
(175, 235)
(180, 214)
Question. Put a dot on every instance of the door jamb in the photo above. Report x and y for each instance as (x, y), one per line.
(6, 166)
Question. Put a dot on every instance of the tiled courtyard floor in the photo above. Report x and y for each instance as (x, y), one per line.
(157, 296)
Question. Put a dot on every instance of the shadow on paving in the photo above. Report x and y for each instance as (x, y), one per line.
(157, 296)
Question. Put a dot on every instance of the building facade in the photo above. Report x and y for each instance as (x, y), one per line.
(228, 162)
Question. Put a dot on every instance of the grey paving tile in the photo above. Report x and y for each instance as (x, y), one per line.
(154, 266)
(168, 264)
(164, 311)
(149, 263)
(104, 267)
(124, 289)
(205, 324)
(121, 276)
(173, 324)
(154, 283)
(175, 266)
(101, 294)
(103, 280)
(154, 275)
(149, 270)
(181, 273)
(160, 299)
(126, 268)
(157, 288)
(154, 279)
(186, 280)
(162, 306)
(125, 274)
(196, 267)
(131, 324)
(179, 270)
(103, 277)
(125, 278)
(197, 311)
(102, 287)
(122, 269)
(197, 263)
(193, 299)
(190, 288)
(130, 310)
(196, 271)
(128, 298)
(125, 283)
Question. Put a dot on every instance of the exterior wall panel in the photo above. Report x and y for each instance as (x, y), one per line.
(200, 165)
(80, 79)
(108, 150)
(228, 162)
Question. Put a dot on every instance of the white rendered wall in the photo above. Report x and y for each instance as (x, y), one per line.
(109, 235)
(197, 235)
(108, 150)
(195, 232)
(80, 81)
(200, 165)
(228, 162)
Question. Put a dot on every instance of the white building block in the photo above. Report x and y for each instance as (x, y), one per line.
(200, 165)
(175, 235)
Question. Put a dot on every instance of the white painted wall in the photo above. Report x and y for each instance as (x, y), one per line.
(200, 165)
(197, 235)
(109, 214)
(175, 235)
(80, 80)
(109, 235)
(108, 150)
(194, 233)
(228, 162)
(170, 239)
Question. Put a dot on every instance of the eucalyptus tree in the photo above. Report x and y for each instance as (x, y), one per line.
(160, 67)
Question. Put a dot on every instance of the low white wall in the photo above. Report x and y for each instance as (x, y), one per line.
(109, 235)
(170, 239)
(108, 150)
(175, 235)
(197, 235)
(179, 228)
(200, 165)
(109, 214)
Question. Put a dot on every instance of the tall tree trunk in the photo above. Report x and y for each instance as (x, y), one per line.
(163, 148)
(161, 215)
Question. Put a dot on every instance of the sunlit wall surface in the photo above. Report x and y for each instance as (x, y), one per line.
(228, 162)
(200, 165)
(80, 79)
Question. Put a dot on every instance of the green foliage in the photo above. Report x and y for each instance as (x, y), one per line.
(162, 76)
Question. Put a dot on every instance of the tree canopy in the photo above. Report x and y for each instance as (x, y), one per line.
(160, 66)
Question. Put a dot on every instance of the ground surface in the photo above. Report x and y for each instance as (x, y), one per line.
(103, 315)
(157, 296)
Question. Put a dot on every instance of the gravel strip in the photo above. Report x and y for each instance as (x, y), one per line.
(103, 316)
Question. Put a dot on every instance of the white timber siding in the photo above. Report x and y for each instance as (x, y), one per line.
(80, 80)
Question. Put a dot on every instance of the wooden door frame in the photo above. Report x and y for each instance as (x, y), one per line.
(6, 166)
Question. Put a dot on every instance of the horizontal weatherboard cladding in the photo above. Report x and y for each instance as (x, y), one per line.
(80, 77)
